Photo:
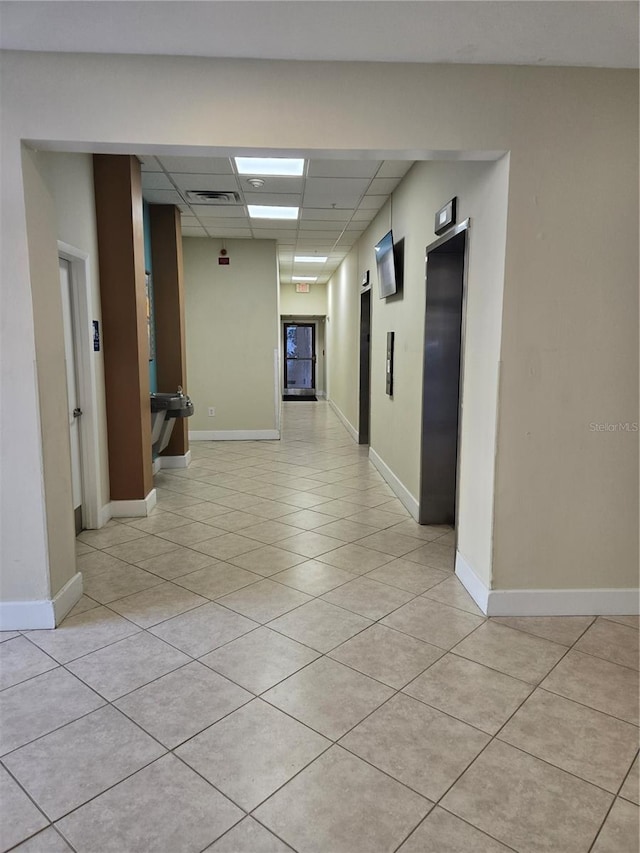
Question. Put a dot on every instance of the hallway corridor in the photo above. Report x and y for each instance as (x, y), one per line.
(279, 658)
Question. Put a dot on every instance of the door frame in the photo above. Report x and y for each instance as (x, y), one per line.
(82, 316)
(314, 359)
(448, 235)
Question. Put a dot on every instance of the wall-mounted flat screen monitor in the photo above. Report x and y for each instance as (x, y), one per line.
(387, 282)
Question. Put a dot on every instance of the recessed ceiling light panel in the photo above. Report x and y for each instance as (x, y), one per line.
(272, 211)
(310, 259)
(304, 278)
(280, 166)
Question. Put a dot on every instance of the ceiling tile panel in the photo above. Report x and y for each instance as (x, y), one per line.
(280, 199)
(273, 184)
(238, 233)
(162, 197)
(213, 183)
(324, 214)
(383, 186)
(149, 164)
(194, 232)
(214, 211)
(372, 202)
(155, 181)
(200, 165)
(394, 168)
(343, 168)
(327, 192)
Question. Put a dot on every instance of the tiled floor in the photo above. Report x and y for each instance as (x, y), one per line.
(280, 659)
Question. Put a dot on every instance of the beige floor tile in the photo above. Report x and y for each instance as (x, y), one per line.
(226, 546)
(20, 660)
(42, 704)
(377, 518)
(416, 744)
(452, 592)
(127, 664)
(630, 621)
(248, 837)
(368, 597)
(388, 542)
(310, 544)
(79, 635)
(234, 520)
(269, 532)
(596, 683)
(47, 841)
(264, 601)
(204, 511)
(158, 522)
(329, 697)
(433, 622)
(217, 580)
(8, 635)
(83, 604)
(631, 784)
(141, 549)
(441, 832)
(260, 659)
(110, 535)
(267, 560)
(559, 629)
(182, 703)
(409, 576)
(320, 625)
(163, 807)
(171, 501)
(435, 555)
(512, 652)
(313, 577)
(70, 766)
(611, 641)
(526, 803)
(387, 655)
(157, 604)
(252, 752)
(110, 586)
(587, 743)
(270, 509)
(470, 692)
(335, 508)
(620, 832)
(187, 534)
(302, 500)
(372, 498)
(347, 530)
(355, 559)
(201, 630)
(176, 563)
(82, 548)
(344, 795)
(98, 562)
(20, 818)
(333, 490)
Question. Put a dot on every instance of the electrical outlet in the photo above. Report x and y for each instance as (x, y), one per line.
(212, 412)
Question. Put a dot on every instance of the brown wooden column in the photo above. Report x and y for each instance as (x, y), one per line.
(168, 302)
(125, 337)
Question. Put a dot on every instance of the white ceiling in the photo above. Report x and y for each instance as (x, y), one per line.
(337, 200)
(601, 33)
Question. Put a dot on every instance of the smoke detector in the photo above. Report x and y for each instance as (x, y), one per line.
(213, 197)
(256, 183)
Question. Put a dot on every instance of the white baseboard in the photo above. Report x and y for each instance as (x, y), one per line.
(104, 515)
(321, 395)
(353, 432)
(547, 602)
(175, 461)
(471, 582)
(401, 491)
(131, 509)
(234, 435)
(35, 615)
(156, 465)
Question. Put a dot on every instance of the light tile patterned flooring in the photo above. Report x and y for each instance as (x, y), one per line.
(280, 659)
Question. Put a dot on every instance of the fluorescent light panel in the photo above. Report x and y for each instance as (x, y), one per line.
(310, 259)
(272, 211)
(280, 166)
(304, 278)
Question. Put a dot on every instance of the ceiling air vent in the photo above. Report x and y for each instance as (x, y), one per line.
(213, 197)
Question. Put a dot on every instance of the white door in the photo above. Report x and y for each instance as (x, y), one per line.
(75, 409)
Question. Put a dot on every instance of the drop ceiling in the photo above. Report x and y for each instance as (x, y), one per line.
(337, 199)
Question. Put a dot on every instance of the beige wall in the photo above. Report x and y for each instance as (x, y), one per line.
(232, 333)
(301, 304)
(565, 503)
(343, 341)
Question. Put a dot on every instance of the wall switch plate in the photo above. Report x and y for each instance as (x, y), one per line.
(212, 412)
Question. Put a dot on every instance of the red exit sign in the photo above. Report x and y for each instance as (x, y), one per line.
(224, 262)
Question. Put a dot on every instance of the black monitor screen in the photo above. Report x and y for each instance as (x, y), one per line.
(386, 266)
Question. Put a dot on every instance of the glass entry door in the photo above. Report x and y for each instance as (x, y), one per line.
(299, 359)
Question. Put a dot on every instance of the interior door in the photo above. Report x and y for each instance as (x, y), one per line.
(365, 367)
(300, 359)
(74, 409)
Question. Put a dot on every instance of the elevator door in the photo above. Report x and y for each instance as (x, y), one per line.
(441, 378)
